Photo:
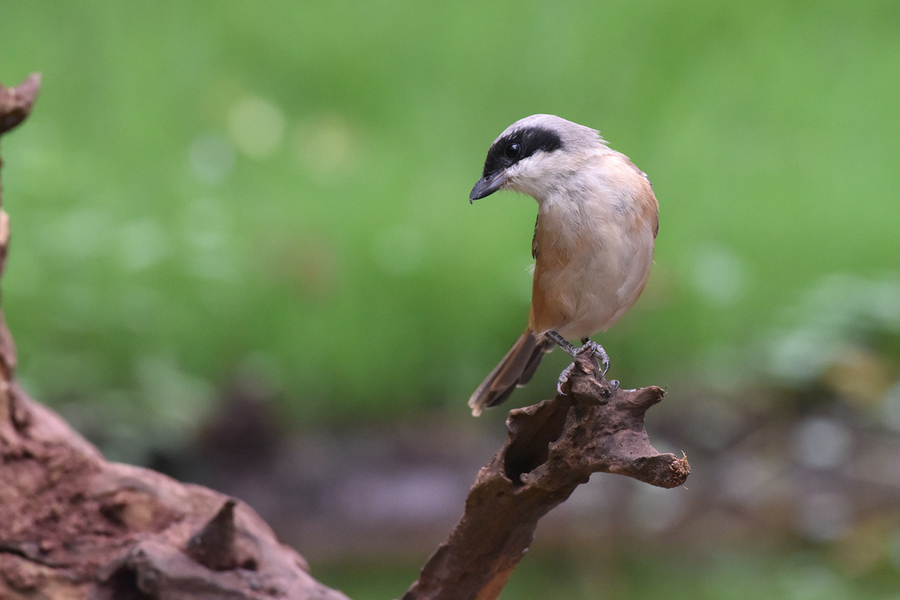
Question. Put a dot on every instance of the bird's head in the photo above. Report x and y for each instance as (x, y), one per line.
(534, 153)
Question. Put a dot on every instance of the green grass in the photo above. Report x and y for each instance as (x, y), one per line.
(344, 264)
(615, 573)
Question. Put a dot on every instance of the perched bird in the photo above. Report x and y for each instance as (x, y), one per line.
(593, 240)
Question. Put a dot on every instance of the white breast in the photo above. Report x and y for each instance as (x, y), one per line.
(595, 245)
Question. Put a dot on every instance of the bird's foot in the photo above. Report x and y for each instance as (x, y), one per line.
(594, 350)
(564, 379)
(597, 354)
(563, 385)
(591, 358)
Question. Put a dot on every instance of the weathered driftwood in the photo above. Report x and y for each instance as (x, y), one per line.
(551, 449)
(73, 525)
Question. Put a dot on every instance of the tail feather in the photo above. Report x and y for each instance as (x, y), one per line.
(515, 370)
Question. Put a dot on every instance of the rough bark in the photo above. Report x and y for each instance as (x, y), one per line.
(551, 448)
(74, 526)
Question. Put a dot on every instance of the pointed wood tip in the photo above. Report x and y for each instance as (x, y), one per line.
(16, 102)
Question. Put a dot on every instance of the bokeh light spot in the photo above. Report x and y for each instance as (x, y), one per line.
(256, 126)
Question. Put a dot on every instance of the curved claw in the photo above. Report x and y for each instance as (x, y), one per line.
(598, 355)
(564, 379)
(592, 350)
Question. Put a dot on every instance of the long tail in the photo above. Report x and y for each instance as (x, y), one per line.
(515, 370)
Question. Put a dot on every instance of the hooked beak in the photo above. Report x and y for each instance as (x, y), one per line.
(487, 186)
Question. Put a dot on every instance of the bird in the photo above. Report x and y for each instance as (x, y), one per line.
(593, 241)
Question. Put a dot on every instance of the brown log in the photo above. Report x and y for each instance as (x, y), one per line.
(551, 448)
(75, 526)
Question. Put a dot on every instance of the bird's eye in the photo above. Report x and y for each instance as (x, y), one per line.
(512, 151)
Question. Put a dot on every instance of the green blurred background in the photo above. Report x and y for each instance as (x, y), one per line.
(230, 206)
